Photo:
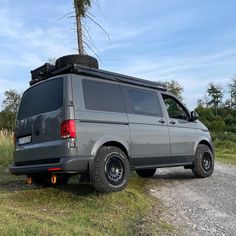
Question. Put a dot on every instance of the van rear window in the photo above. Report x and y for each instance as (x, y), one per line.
(42, 98)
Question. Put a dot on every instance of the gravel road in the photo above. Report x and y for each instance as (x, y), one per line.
(198, 206)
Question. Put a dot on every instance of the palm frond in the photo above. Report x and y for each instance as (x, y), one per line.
(82, 6)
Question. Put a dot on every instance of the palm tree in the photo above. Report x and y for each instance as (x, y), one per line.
(81, 7)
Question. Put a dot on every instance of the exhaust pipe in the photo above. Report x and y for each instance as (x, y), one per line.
(53, 179)
(29, 180)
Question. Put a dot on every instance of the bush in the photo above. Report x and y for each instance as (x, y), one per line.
(226, 140)
(6, 148)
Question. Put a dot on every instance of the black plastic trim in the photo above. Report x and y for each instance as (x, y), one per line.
(67, 165)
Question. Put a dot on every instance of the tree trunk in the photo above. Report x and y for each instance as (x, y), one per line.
(79, 32)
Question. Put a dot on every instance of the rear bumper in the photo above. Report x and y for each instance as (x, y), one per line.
(70, 165)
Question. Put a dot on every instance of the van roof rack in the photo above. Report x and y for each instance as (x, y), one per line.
(47, 71)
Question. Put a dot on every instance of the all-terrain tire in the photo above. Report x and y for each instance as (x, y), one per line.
(204, 162)
(83, 60)
(110, 171)
(146, 173)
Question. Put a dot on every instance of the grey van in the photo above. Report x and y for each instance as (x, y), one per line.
(79, 120)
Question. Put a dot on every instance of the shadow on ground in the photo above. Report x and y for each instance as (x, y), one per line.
(175, 174)
(10, 183)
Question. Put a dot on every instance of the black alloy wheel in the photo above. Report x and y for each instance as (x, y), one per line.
(114, 169)
(110, 171)
(203, 165)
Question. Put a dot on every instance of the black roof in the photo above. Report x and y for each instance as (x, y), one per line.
(47, 71)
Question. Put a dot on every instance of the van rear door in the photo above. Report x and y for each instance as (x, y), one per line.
(39, 119)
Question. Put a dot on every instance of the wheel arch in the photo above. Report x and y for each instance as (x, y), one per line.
(111, 141)
(207, 143)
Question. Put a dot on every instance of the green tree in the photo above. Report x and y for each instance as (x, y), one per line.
(10, 106)
(213, 122)
(215, 92)
(11, 101)
(175, 88)
(7, 120)
(232, 92)
(81, 7)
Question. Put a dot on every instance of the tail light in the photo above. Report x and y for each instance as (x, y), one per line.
(54, 169)
(68, 129)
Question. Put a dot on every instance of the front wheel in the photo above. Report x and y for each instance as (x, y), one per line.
(146, 173)
(204, 162)
(110, 170)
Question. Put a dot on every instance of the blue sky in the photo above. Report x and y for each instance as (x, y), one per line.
(193, 42)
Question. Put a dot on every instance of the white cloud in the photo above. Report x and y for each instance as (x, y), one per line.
(53, 41)
(26, 45)
(9, 25)
(185, 70)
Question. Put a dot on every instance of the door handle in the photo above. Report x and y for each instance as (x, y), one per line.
(172, 122)
(161, 121)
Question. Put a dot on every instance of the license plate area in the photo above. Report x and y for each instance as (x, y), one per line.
(24, 140)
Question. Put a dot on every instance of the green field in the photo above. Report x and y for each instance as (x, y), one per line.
(226, 155)
(75, 209)
(225, 147)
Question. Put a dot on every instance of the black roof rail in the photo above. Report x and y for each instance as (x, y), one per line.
(83, 70)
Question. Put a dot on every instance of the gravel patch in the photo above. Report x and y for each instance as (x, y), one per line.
(198, 206)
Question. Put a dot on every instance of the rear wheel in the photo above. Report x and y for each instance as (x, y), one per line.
(146, 173)
(110, 170)
(204, 162)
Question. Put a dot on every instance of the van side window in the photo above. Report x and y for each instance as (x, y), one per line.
(174, 108)
(144, 102)
(102, 96)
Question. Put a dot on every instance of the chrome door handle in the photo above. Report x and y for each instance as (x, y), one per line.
(172, 122)
(161, 121)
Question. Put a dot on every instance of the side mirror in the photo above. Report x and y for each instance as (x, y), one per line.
(193, 116)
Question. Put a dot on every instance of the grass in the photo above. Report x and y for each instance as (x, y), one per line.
(74, 209)
(225, 148)
(226, 156)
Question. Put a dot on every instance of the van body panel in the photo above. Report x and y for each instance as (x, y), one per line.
(97, 127)
(183, 133)
(203, 135)
(44, 129)
(111, 138)
(142, 125)
(96, 134)
(150, 142)
(183, 136)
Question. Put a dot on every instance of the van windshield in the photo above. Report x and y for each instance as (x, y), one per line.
(42, 98)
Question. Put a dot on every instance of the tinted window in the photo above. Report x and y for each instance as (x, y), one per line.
(41, 98)
(102, 96)
(143, 102)
(174, 108)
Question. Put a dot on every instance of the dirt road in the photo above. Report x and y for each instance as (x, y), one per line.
(198, 206)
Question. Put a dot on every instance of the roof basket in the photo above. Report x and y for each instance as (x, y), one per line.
(41, 73)
(48, 70)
